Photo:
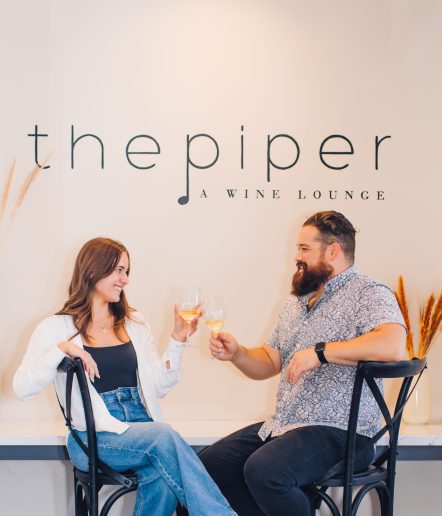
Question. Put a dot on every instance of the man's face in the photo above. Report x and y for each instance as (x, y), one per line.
(313, 268)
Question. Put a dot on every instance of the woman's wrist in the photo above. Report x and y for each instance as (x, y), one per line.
(179, 338)
(62, 347)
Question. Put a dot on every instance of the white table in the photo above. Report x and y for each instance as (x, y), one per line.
(45, 440)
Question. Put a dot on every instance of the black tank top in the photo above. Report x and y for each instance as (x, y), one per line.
(117, 366)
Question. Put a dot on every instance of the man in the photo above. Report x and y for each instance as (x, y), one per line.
(334, 318)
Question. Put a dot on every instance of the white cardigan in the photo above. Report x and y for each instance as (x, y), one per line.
(39, 368)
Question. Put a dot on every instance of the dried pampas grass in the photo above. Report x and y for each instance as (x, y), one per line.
(7, 189)
(6, 222)
(430, 321)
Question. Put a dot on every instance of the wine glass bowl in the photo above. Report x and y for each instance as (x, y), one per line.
(189, 306)
(214, 314)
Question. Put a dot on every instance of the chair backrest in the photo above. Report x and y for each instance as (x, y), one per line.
(86, 496)
(368, 372)
(74, 366)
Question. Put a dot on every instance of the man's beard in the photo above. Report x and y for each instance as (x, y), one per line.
(307, 280)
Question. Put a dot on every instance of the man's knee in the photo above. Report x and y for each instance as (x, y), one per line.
(256, 474)
(211, 458)
(207, 456)
(262, 475)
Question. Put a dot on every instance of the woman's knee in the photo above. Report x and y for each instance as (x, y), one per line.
(140, 438)
(165, 435)
(160, 428)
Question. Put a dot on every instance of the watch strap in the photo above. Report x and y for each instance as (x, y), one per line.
(319, 349)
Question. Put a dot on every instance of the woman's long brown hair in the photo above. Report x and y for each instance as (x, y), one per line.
(97, 259)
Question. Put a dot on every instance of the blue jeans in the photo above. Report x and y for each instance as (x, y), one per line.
(167, 469)
(266, 477)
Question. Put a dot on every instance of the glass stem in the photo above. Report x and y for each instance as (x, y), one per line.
(188, 330)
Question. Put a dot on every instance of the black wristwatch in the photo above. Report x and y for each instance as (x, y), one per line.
(320, 348)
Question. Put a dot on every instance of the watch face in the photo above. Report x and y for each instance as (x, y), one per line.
(320, 346)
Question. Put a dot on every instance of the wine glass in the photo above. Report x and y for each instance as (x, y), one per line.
(189, 306)
(214, 314)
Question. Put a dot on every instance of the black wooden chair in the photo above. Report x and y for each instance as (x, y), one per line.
(87, 484)
(380, 475)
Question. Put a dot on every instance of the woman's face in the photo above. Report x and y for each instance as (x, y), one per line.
(109, 289)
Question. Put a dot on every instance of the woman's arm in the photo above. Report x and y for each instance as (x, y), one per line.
(167, 369)
(46, 349)
(39, 364)
(164, 371)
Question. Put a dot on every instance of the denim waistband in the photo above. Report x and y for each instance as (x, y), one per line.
(121, 394)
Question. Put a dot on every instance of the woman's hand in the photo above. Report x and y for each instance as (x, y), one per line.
(179, 332)
(75, 351)
(223, 346)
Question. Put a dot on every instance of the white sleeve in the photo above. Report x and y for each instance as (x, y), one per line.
(39, 364)
(164, 377)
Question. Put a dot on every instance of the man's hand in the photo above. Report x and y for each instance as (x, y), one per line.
(224, 346)
(302, 361)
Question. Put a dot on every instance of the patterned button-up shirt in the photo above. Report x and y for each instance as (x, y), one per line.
(350, 306)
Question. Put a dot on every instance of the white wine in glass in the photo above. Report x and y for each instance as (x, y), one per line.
(215, 325)
(189, 306)
(215, 314)
(189, 315)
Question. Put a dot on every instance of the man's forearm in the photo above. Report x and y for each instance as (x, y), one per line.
(384, 344)
(255, 363)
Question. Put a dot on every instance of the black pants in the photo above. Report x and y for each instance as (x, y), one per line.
(266, 477)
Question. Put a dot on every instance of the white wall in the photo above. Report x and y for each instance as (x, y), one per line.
(176, 68)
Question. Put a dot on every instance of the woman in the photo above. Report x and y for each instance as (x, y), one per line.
(116, 347)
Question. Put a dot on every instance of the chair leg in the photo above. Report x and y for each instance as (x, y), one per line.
(80, 499)
(317, 496)
(385, 501)
(390, 487)
(114, 497)
(93, 499)
(314, 501)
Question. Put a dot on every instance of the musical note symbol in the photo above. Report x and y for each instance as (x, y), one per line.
(184, 199)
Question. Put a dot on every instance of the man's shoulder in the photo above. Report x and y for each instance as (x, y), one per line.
(290, 303)
(289, 308)
(360, 282)
(366, 291)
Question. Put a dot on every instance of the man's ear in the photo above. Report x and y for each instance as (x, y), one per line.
(335, 251)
